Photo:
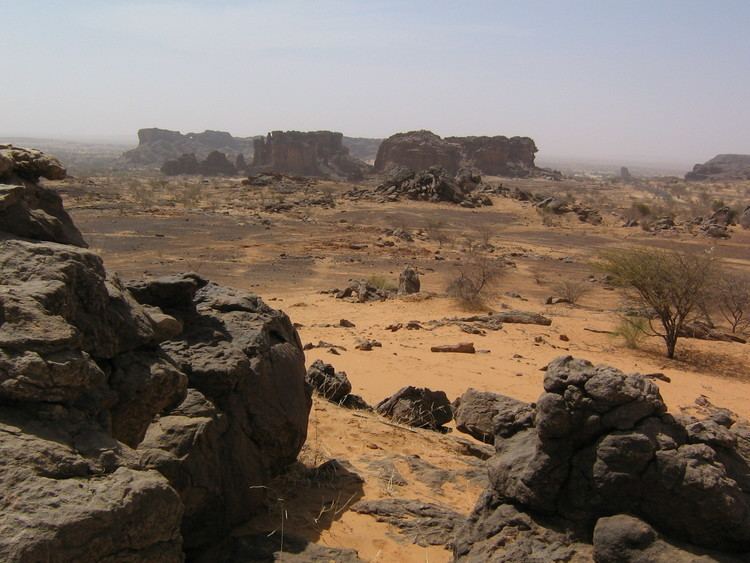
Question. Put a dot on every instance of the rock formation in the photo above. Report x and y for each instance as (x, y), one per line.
(722, 167)
(497, 155)
(313, 153)
(156, 146)
(417, 406)
(115, 444)
(433, 184)
(603, 444)
(215, 164)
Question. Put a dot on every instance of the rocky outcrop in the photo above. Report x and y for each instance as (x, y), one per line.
(418, 150)
(721, 168)
(114, 444)
(603, 444)
(434, 184)
(313, 153)
(215, 164)
(156, 146)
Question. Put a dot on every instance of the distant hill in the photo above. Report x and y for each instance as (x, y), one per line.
(722, 167)
(363, 148)
(155, 146)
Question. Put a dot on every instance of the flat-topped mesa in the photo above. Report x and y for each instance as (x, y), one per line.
(311, 153)
(155, 146)
(722, 167)
(496, 155)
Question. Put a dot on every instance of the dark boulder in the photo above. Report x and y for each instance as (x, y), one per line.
(408, 281)
(331, 384)
(483, 415)
(417, 406)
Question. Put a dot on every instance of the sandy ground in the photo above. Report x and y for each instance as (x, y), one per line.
(290, 258)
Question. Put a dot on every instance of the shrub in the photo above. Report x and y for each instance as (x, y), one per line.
(382, 283)
(477, 278)
(571, 290)
(632, 330)
(734, 300)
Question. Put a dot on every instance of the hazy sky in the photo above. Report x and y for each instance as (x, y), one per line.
(656, 80)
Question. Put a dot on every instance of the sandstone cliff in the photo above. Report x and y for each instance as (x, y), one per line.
(313, 153)
(497, 155)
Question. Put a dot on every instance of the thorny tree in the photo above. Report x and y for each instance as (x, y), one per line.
(672, 285)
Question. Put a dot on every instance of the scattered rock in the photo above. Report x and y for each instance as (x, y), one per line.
(346, 324)
(366, 345)
(332, 385)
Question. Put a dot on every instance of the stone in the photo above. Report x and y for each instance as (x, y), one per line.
(324, 378)
(408, 281)
(417, 406)
(602, 444)
(215, 164)
(485, 415)
(460, 348)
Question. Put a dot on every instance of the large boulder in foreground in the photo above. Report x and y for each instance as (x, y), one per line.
(603, 444)
(130, 431)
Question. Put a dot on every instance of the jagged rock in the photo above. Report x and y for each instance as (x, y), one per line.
(722, 167)
(184, 164)
(431, 184)
(316, 153)
(417, 150)
(484, 415)
(324, 378)
(625, 175)
(408, 281)
(417, 406)
(604, 444)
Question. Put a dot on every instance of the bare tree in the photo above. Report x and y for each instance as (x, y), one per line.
(669, 283)
(436, 229)
(734, 300)
(477, 277)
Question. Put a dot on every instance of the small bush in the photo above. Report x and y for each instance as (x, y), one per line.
(476, 280)
(571, 290)
(632, 330)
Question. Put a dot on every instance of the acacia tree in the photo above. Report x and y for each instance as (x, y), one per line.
(672, 285)
(734, 300)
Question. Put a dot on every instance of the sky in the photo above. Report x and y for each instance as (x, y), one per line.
(656, 81)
